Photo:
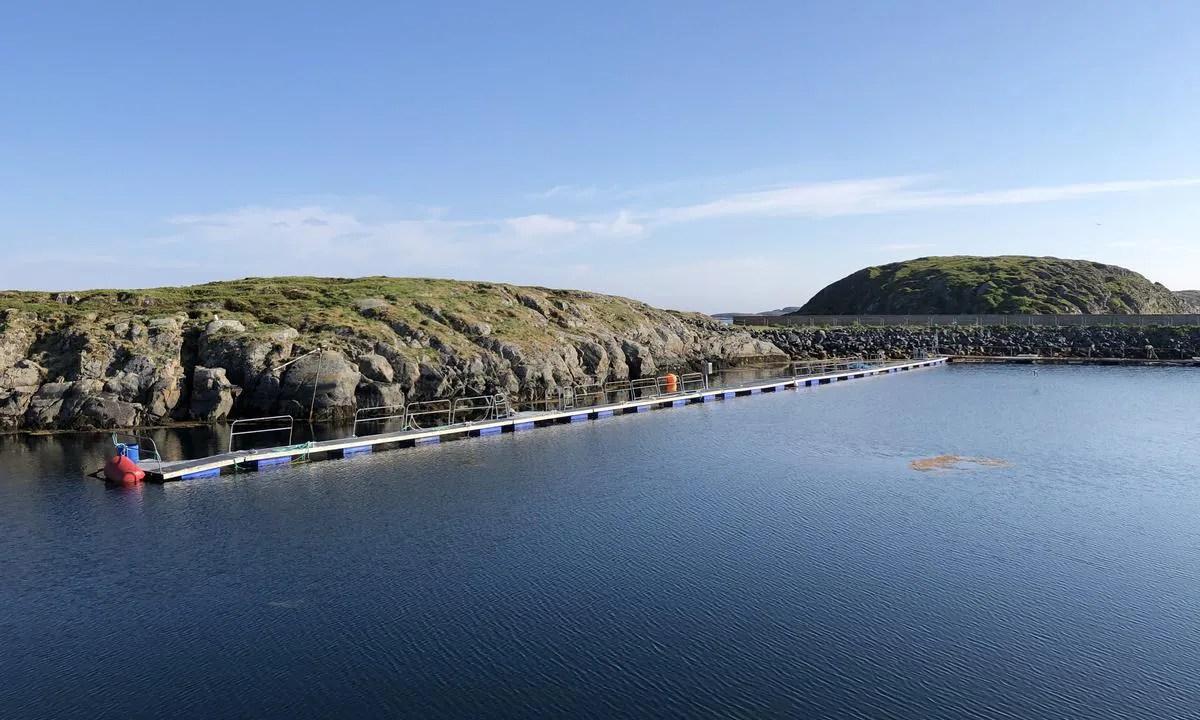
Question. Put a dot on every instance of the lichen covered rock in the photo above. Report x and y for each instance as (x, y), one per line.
(259, 347)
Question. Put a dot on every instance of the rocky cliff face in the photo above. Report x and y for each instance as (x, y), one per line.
(105, 359)
(1190, 299)
(984, 285)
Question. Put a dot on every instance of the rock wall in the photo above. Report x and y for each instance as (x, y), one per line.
(902, 342)
(86, 371)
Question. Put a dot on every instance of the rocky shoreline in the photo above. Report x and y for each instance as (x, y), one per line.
(109, 359)
(87, 372)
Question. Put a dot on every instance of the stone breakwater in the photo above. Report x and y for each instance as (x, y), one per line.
(900, 342)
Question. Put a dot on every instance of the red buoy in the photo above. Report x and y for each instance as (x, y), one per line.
(120, 469)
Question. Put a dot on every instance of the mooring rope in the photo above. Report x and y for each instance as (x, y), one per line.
(302, 451)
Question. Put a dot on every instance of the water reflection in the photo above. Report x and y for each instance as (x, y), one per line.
(83, 454)
(768, 557)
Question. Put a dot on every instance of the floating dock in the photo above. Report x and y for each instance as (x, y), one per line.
(214, 465)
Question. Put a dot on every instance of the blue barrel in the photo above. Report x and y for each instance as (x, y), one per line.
(130, 451)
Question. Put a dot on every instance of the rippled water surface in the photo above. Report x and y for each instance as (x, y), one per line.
(772, 556)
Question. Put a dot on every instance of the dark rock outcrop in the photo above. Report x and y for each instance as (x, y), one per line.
(259, 347)
(1190, 300)
(212, 394)
(376, 367)
(325, 383)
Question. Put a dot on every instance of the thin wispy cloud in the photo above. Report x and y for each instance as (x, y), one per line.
(321, 240)
(718, 184)
(620, 225)
(1048, 193)
(311, 229)
(538, 244)
(566, 192)
(874, 196)
(825, 199)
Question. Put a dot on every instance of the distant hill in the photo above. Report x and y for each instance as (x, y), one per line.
(1190, 299)
(769, 313)
(1001, 284)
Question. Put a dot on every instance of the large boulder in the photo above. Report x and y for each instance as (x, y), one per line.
(162, 397)
(639, 359)
(594, 357)
(404, 371)
(107, 411)
(79, 405)
(16, 336)
(250, 362)
(376, 367)
(25, 373)
(212, 394)
(260, 395)
(334, 378)
(372, 394)
(124, 385)
(217, 326)
(156, 384)
(43, 409)
(14, 403)
(618, 368)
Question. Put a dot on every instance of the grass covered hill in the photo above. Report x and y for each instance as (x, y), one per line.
(1000, 284)
(370, 308)
(294, 345)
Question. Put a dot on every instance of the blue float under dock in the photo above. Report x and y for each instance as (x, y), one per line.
(272, 461)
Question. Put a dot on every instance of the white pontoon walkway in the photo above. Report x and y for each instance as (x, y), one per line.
(347, 447)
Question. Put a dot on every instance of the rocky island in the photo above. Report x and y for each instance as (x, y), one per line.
(255, 347)
(967, 285)
(1008, 284)
(260, 346)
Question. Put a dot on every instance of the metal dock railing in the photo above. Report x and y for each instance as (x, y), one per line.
(433, 421)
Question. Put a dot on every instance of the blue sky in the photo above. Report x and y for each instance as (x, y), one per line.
(708, 156)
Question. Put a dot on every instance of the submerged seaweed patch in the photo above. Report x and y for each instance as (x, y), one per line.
(948, 462)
